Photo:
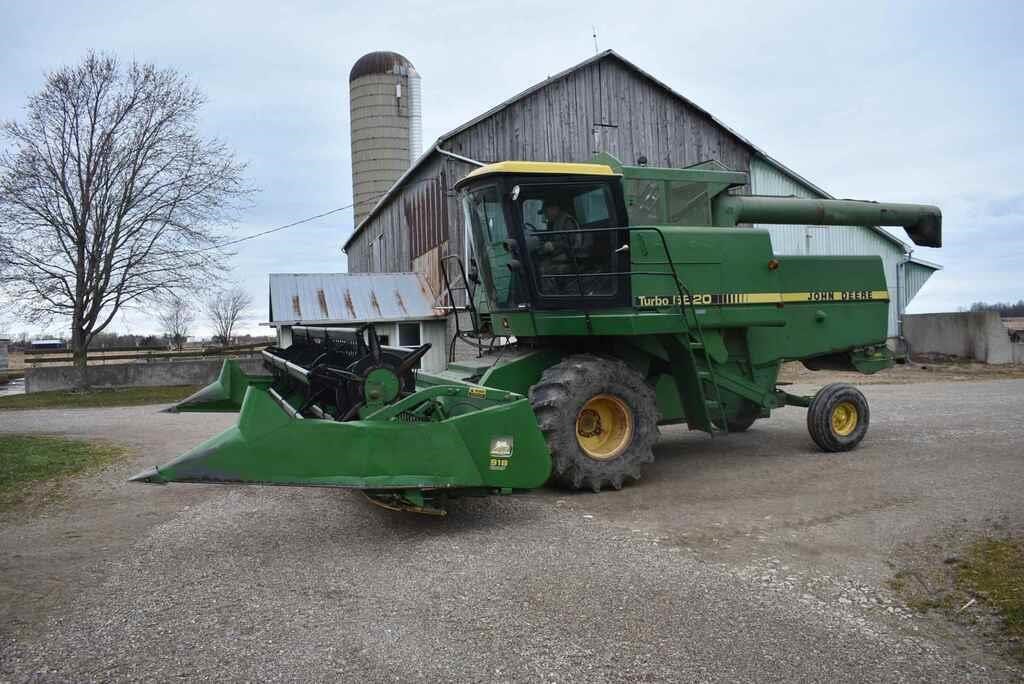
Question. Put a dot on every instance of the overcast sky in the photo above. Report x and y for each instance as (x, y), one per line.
(900, 101)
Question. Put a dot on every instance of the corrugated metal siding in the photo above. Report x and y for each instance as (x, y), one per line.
(349, 297)
(914, 277)
(436, 334)
(766, 179)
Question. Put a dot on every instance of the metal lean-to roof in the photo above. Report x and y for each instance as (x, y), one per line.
(341, 298)
(607, 54)
(927, 264)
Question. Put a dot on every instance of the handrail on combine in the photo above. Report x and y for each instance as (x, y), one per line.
(470, 306)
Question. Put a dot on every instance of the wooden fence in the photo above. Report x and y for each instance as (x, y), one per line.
(130, 354)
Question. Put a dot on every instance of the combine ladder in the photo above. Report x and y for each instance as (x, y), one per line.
(697, 368)
(473, 335)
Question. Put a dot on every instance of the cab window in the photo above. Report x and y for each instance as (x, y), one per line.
(485, 218)
(570, 253)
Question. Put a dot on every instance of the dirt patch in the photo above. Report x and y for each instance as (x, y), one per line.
(925, 370)
(973, 579)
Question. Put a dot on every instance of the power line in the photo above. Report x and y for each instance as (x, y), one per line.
(274, 230)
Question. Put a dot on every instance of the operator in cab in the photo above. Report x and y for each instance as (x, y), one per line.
(558, 218)
(562, 250)
(553, 252)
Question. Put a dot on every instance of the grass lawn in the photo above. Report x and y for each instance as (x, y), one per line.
(129, 396)
(980, 584)
(994, 572)
(26, 461)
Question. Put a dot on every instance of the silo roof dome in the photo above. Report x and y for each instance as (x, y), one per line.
(380, 63)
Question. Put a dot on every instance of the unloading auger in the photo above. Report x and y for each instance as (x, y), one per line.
(606, 300)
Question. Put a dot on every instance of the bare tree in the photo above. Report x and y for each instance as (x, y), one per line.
(176, 317)
(225, 310)
(109, 196)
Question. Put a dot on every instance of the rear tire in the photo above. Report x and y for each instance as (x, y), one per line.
(600, 420)
(838, 417)
(742, 421)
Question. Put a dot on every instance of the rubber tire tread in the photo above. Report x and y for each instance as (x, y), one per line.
(557, 400)
(742, 421)
(819, 417)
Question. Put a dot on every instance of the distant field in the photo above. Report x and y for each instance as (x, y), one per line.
(130, 396)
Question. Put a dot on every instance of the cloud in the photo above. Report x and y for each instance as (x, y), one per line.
(914, 101)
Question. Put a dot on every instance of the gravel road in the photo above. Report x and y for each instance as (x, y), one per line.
(750, 557)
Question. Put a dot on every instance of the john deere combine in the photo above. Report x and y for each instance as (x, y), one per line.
(606, 300)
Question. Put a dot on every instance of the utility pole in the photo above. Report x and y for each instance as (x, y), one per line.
(594, 29)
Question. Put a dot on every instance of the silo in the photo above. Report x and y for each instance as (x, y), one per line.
(384, 95)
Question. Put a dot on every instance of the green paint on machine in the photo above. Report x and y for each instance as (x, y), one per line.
(385, 451)
(614, 297)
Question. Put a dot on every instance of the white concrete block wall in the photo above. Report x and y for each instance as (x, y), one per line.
(981, 336)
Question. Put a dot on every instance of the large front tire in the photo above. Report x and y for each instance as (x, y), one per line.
(600, 420)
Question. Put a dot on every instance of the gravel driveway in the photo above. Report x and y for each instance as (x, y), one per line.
(750, 557)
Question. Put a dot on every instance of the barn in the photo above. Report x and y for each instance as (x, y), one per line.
(603, 104)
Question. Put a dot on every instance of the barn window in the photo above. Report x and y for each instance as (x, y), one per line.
(408, 334)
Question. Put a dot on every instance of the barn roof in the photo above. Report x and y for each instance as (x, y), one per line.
(607, 54)
(343, 298)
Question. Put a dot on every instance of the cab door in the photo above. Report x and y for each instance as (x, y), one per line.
(572, 237)
(494, 247)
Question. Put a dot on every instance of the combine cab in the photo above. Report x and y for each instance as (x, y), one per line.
(606, 300)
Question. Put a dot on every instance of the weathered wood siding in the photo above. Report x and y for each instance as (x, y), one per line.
(602, 106)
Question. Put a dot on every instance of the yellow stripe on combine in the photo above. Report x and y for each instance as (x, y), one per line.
(836, 296)
(796, 297)
(734, 298)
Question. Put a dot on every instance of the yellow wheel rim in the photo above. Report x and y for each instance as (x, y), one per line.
(604, 427)
(844, 418)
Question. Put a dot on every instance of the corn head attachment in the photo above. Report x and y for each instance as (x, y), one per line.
(340, 410)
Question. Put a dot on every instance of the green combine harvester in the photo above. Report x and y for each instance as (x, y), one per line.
(605, 300)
